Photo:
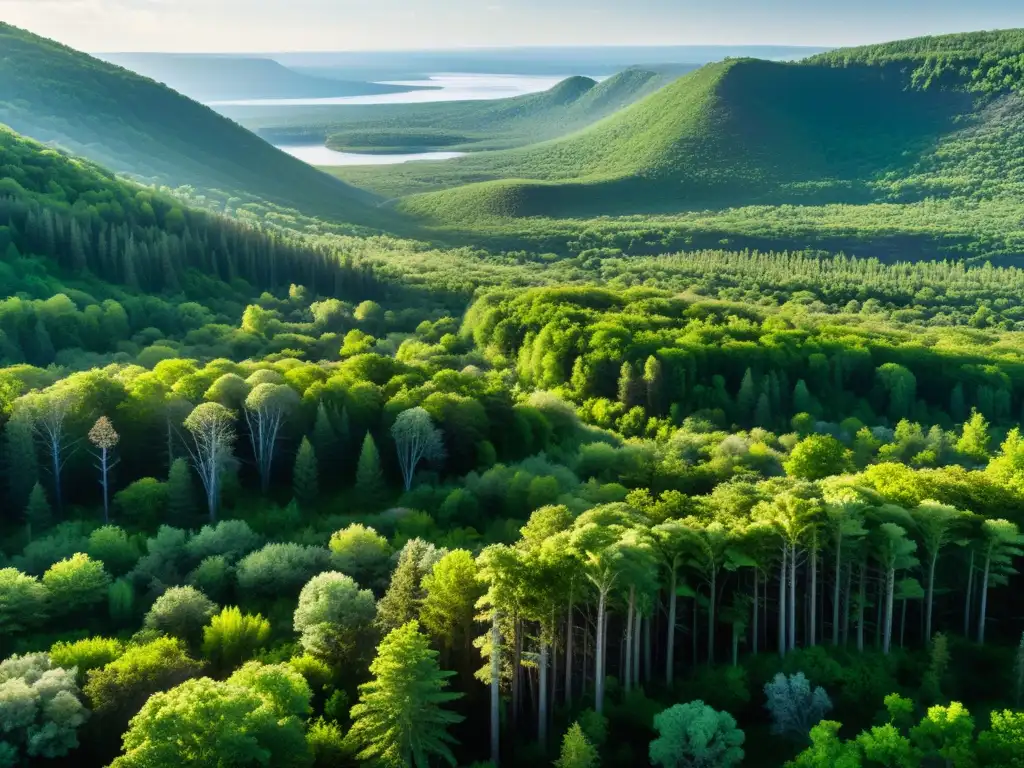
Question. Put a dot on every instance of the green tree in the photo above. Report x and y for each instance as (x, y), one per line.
(946, 733)
(974, 439)
(305, 483)
(19, 457)
(416, 439)
(38, 514)
(86, 654)
(827, 750)
(204, 722)
(451, 591)
(181, 612)
(935, 523)
(696, 735)
(76, 584)
(369, 477)
(817, 457)
(213, 438)
(181, 495)
(1002, 746)
(334, 616)
(22, 602)
(1001, 543)
(40, 710)
(577, 752)
(363, 554)
(401, 602)
(111, 546)
(232, 637)
(400, 719)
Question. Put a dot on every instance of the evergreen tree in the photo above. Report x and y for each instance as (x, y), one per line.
(401, 602)
(803, 402)
(763, 412)
(325, 440)
(629, 386)
(19, 455)
(577, 751)
(369, 478)
(400, 719)
(181, 499)
(975, 438)
(38, 514)
(304, 476)
(654, 382)
(746, 398)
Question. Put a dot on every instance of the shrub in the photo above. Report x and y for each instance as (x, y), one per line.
(232, 637)
(181, 612)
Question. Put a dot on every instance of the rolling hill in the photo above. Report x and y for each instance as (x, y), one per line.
(223, 78)
(569, 106)
(735, 133)
(135, 126)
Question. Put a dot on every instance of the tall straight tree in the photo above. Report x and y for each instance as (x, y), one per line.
(416, 439)
(213, 436)
(670, 541)
(894, 551)
(1001, 543)
(51, 411)
(935, 525)
(844, 522)
(266, 408)
(104, 438)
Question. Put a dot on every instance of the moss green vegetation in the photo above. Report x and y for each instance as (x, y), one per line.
(466, 126)
(136, 126)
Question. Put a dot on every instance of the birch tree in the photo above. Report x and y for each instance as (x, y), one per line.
(51, 412)
(416, 439)
(1001, 542)
(266, 408)
(105, 438)
(213, 436)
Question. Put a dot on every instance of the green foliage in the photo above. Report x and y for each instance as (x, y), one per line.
(181, 503)
(143, 504)
(111, 546)
(369, 478)
(232, 638)
(333, 617)
(230, 539)
(326, 743)
(795, 707)
(1000, 746)
(363, 554)
(694, 734)
(38, 513)
(818, 457)
(280, 569)
(305, 475)
(451, 591)
(40, 710)
(76, 584)
(86, 654)
(181, 612)
(203, 722)
(22, 601)
(400, 719)
(577, 752)
(827, 750)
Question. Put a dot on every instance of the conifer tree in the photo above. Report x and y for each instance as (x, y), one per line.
(324, 439)
(181, 500)
(577, 751)
(369, 478)
(19, 455)
(305, 476)
(401, 602)
(38, 514)
(400, 719)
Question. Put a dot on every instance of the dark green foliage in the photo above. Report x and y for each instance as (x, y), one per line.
(369, 477)
(305, 474)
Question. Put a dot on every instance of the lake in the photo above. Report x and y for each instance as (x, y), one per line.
(442, 87)
(317, 154)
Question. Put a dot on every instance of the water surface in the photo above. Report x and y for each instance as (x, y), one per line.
(317, 154)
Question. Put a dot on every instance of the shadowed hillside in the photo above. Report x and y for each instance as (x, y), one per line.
(136, 126)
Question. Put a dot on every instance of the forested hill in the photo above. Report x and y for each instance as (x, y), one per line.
(134, 125)
(989, 62)
(571, 105)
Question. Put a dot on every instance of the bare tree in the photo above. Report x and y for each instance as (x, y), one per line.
(213, 436)
(50, 413)
(416, 439)
(105, 438)
(266, 407)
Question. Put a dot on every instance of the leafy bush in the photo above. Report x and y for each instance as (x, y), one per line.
(795, 708)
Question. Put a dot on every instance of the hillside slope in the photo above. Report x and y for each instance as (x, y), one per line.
(569, 106)
(133, 125)
(736, 133)
(217, 78)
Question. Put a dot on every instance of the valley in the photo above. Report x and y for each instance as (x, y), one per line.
(503, 407)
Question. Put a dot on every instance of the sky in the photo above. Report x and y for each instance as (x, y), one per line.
(338, 25)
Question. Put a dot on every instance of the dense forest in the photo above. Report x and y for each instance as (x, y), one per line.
(278, 495)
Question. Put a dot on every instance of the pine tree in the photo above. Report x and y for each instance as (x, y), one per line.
(577, 751)
(654, 382)
(400, 720)
(629, 386)
(369, 478)
(304, 476)
(763, 412)
(746, 398)
(324, 439)
(401, 602)
(181, 498)
(38, 514)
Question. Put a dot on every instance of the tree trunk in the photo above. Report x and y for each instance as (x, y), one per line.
(670, 640)
(711, 620)
(983, 599)
(647, 649)
(106, 487)
(862, 597)
(890, 584)
(637, 621)
(553, 696)
(782, 603)
(517, 650)
(903, 621)
(693, 634)
(586, 654)
(495, 690)
(970, 595)
(753, 635)
(812, 636)
(627, 677)
(735, 643)
(846, 604)
(568, 654)
(792, 598)
(542, 693)
(599, 655)
(928, 601)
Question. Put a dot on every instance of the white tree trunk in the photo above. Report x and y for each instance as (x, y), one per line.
(627, 677)
(792, 598)
(782, 602)
(928, 599)
(495, 690)
(890, 582)
(984, 599)
(670, 641)
(835, 591)
(568, 654)
(599, 654)
(542, 695)
(812, 635)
